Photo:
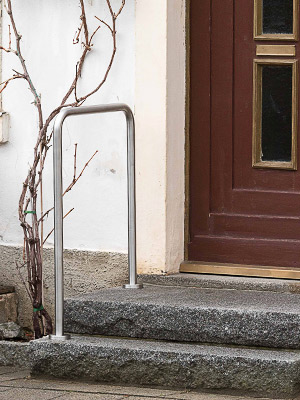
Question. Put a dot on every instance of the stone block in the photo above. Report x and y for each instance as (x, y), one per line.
(11, 330)
(8, 308)
(15, 354)
(141, 362)
(186, 314)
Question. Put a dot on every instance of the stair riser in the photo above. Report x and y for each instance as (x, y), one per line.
(159, 366)
(270, 329)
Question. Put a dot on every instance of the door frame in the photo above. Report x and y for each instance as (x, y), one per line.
(206, 267)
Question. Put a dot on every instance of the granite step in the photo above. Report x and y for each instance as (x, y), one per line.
(186, 314)
(165, 364)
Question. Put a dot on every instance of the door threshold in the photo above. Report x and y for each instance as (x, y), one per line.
(201, 267)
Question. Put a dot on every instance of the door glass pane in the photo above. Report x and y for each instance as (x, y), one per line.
(277, 89)
(277, 16)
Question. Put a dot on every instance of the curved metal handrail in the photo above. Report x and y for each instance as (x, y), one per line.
(58, 204)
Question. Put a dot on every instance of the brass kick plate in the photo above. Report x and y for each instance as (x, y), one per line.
(276, 50)
(202, 267)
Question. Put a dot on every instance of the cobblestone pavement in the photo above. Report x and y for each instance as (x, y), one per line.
(15, 384)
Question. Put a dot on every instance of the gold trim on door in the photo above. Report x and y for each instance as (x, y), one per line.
(258, 24)
(277, 50)
(239, 270)
(257, 116)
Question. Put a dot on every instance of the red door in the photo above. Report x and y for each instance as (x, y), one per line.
(244, 181)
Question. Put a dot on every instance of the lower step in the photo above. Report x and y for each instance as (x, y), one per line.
(141, 362)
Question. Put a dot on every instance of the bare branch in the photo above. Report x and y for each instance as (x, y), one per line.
(106, 24)
(75, 161)
(32, 185)
(46, 214)
(5, 83)
(52, 230)
(8, 50)
(74, 180)
(9, 34)
(94, 33)
(79, 176)
(120, 10)
(84, 23)
(22, 61)
(18, 267)
(77, 34)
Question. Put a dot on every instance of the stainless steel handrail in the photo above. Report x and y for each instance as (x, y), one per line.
(58, 204)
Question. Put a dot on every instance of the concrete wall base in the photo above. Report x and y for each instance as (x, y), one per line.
(85, 272)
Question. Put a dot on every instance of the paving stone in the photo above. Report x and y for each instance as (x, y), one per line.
(195, 396)
(90, 387)
(8, 370)
(29, 394)
(89, 396)
(248, 318)
(4, 389)
(5, 378)
(209, 396)
(148, 398)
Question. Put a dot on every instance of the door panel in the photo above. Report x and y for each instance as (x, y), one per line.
(238, 213)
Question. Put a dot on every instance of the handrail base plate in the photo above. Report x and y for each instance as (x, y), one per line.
(135, 286)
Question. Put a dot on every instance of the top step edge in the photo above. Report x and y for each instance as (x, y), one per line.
(206, 281)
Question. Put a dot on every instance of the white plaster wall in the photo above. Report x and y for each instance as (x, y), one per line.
(99, 221)
(176, 90)
(160, 121)
(151, 124)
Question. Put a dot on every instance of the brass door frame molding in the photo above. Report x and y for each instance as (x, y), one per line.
(239, 270)
(187, 130)
(257, 115)
(258, 24)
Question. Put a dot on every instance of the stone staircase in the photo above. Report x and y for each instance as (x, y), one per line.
(183, 331)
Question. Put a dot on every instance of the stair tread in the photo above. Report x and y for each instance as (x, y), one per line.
(265, 319)
(153, 346)
(168, 296)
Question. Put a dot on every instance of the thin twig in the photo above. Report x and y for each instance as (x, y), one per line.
(106, 24)
(74, 180)
(52, 230)
(22, 278)
(75, 161)
(77, 34)
(5, 83)
(9, 34)
(79, 176)
(120, 10)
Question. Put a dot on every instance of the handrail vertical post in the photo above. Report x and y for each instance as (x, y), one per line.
(131, 194)
(58, 205)
(58, 233)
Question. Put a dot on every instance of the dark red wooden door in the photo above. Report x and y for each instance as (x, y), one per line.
(238, 214)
